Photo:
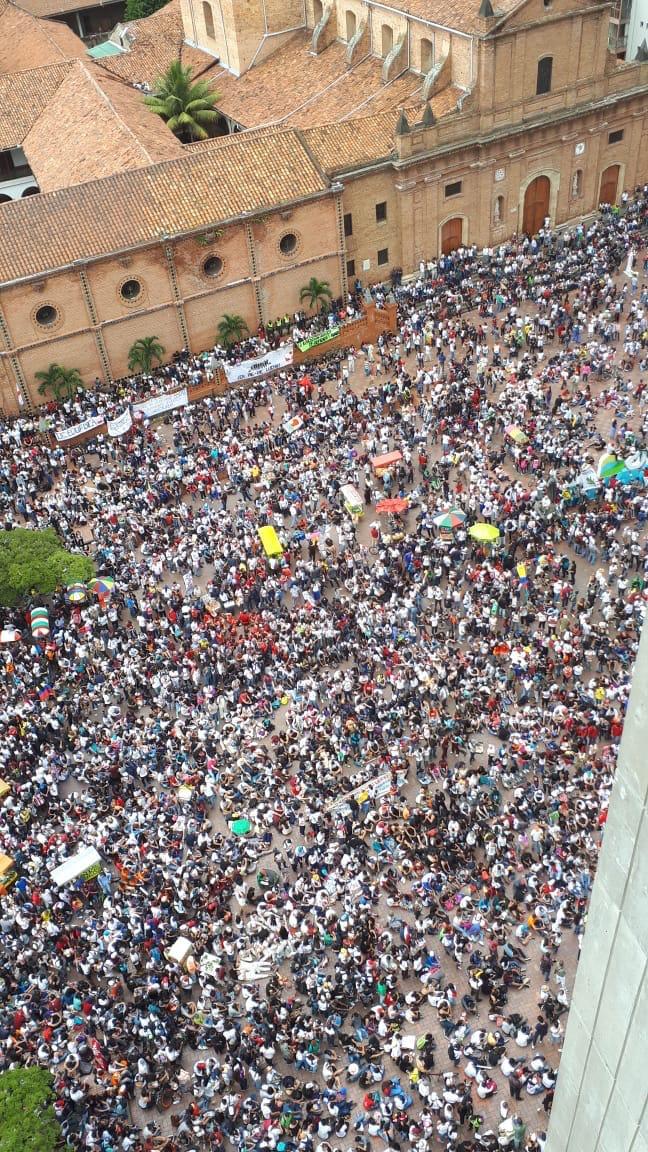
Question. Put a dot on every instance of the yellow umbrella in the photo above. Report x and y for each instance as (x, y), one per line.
(485, 533)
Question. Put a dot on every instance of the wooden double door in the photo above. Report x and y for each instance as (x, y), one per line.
(452, 235)
(536, 205)
(609, 185)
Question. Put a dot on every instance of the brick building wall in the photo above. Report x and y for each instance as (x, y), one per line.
(166, 290)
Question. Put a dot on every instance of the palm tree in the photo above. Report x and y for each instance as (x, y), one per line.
(143, 353)
(61, 382)
(186, 105)
(232, 329)
(317, 292)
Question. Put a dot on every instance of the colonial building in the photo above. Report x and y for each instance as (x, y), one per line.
(356, 136)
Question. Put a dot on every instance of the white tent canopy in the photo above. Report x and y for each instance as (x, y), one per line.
(71, 869)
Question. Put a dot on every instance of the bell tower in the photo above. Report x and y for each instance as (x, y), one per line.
(241, 32)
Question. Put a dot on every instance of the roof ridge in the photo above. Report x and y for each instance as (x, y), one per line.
(149, 170)
(104, 95)
(66, 64)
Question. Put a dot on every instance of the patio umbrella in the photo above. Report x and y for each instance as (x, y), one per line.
(39, 620)
(10, 636)
(485, 533)
(77, 593)
(240, 827)
(394, 504)
(102, 585)
(450, 518)
(515, 433)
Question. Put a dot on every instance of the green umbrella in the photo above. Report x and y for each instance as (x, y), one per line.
(485, 533)
(240, 827)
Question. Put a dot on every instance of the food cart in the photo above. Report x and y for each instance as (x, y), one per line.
(384, 463)
(84, 865)
(352, 500)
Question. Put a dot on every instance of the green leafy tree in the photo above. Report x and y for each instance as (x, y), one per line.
(144, 353)
(187, 105)
(317, 292)
(61, 382)
(37, 562)
(232, 329)
(139, 9)
(27, 1120)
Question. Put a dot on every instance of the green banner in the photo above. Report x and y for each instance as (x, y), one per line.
(330, 334)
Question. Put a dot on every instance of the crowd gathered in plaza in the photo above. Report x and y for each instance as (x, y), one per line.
(363, 780)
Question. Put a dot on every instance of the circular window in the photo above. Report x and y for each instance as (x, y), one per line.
(213, 266)
(288, 243)
(130, 289)
(46, 315)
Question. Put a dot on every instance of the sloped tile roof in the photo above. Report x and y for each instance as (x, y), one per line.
(157, 41)
(23, 98)
(90, 121)
(26, 43)
(358, 141)
(197, 191)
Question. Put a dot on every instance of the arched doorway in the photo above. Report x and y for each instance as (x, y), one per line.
(536, 204)
(452, 235)
(609, 185)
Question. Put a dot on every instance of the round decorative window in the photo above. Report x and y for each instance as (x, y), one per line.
(130, 290)
(288, 243)
(213, 266)
(46, 315)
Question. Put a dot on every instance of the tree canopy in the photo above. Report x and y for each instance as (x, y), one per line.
(144, 352)
(187, 105)
(138, 9)
(27, 1120)
(37, 562)
(232, 329)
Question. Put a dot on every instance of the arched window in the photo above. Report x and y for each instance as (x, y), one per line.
(351, 24)
(318, 12)
(387, 39)
(427, 55)
(208, 17)
(543, 83)
(577, 184)
(498, 210)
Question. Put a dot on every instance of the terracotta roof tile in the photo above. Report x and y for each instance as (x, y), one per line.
(26, 43)
(360, 140)
(322, 88)
(44, 8)
(462, 15)
(90, 121)
(199, 190)
(158, 40)
(23, 98)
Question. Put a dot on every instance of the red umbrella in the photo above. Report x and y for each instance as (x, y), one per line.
(394, 504)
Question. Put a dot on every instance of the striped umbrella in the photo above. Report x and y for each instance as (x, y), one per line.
(77, 593)
(102, 585)
(450, 518)
(39, 620)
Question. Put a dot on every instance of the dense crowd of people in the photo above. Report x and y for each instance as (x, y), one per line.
(362, 782)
